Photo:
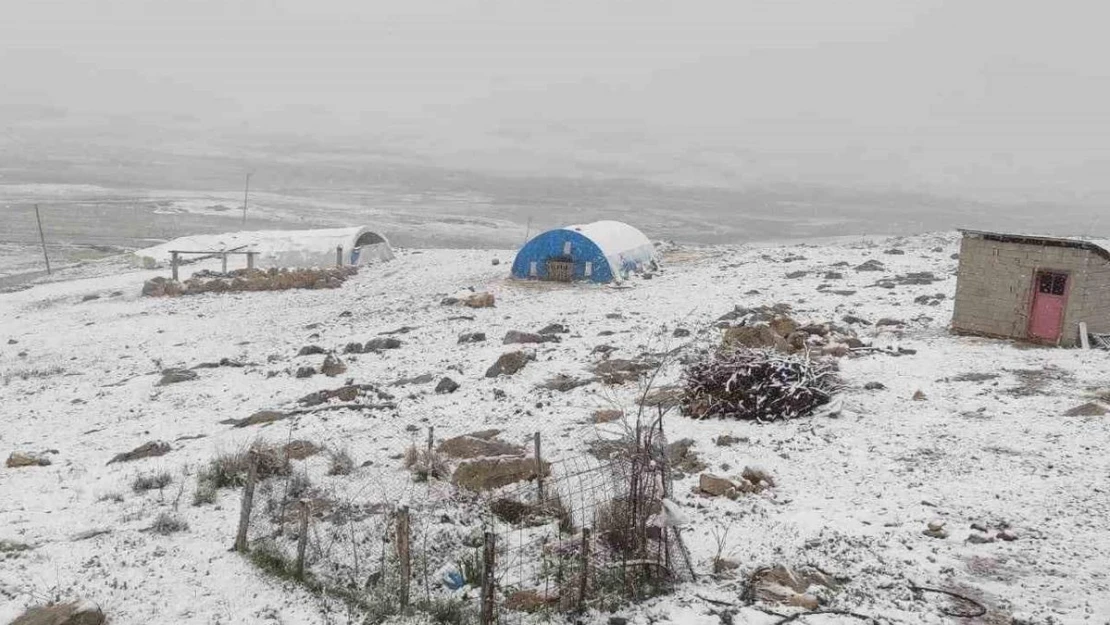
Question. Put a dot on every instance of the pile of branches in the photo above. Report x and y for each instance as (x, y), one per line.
(759, 385)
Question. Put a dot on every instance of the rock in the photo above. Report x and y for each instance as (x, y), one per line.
(427, 378)
(794, 275)
(261, 417)
(726, 440)
(300, 449)
(664, 397)
(871, 265)
(1007, 535)
(305, 372)
(680, 333)
(75, 613)
(90, 297)
(311, 350)
(976, 538)
(717, 486)
(152, 449)
(554, 328)
(381, 343)
(620, 371)
(563, 383)
(854, 343)
(888, 322)
(517, 337)
(333, 366)
(489, 473)
(472, 337)
(509, 364)
(447, 385)
(480, 300)
(449, 301)
(618, 620)
(353, 348)
(789, 587)
(683, 458)
(478, 445)
(837, 350)
(174, 376)
(784, 326)
(919, 395)
(1089, 409)
(874, 386)
(935, 529)
(20, 459)
(936, 525)
(852, 319)
(757, 336)
(895, 252)
(607, 416)
(496, 262)
(833, 275)
(758, 476)
(162, 287)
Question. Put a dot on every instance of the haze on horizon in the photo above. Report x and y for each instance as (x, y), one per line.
(978, 98)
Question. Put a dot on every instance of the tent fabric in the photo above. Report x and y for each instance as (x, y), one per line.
(603, 251)
(286, 248)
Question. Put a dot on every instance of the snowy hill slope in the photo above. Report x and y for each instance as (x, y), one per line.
(988, 443)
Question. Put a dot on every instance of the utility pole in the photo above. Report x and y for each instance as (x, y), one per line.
(42, 237)
(246, 189)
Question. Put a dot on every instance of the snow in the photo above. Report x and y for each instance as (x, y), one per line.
(853, 492)
(278, 248)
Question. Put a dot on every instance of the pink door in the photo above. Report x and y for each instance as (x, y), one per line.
(1049, 303)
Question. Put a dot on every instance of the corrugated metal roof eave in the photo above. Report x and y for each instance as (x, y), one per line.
(1097, 247)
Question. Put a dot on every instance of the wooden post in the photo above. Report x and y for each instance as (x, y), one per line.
(302, 540)
(584, 586)
(246, 189)
(223, 259)
(248, 502)
(489, 553)
(339, 256)
(539, 470)
(404, 555)
(250, 260)
(173, 265)
(431, 438)
(42, 237)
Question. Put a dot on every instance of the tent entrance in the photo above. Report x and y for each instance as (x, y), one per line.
(560, 270)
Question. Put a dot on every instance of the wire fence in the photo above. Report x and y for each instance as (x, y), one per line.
(543, 540)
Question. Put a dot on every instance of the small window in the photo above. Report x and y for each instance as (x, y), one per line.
(566, 248)
(1052, 283)
(533, 269)
(589, 269)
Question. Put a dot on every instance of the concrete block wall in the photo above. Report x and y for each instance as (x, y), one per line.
(994, 287)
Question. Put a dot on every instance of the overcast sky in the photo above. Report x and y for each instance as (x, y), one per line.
(967, 95)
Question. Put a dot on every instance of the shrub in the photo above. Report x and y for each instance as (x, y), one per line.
(426, 464)
(229, 470)
(166, 524)
(205, 493)
(151, 481)
(340, 463)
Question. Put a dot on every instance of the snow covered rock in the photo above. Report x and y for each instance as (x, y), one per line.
(175, 376)
(20, 459)
(151, 449)
(478, 445)
(509, 364)
(75, 613)
(480, 300)
(489, 473)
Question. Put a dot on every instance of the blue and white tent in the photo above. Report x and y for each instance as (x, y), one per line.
(604, 251)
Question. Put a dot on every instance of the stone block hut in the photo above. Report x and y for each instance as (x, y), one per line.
(1032, 288)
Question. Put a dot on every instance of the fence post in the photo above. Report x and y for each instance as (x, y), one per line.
(404, 554)
(431, 438)
(302, 540)
(339, 256)
(173, 265)
(248, 502)
(250, 260)
(223, 259)
(489, 555)
(585, 581)
(539, 470)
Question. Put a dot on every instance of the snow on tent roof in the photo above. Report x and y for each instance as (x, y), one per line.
(612, 236)
(289, 248)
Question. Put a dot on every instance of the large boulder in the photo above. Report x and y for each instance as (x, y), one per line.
(74, 613)
(484, 474)
(162, 287)
(478, 445)
(509, 364)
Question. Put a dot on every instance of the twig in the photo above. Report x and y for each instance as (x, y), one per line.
(979, 606)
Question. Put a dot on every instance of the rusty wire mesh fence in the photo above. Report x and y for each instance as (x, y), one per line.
(583, 533)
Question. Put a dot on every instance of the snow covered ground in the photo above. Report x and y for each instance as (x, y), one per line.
(988, 443)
